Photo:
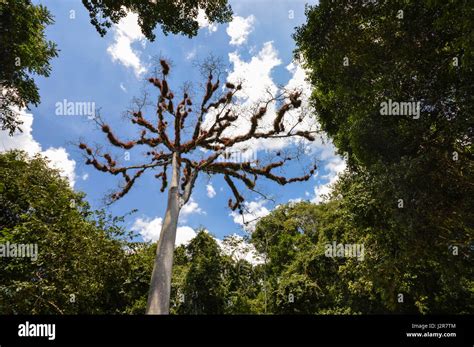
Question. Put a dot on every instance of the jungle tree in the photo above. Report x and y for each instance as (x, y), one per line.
(81, 264)
(409, 190)
(25, 52)
(183, 143)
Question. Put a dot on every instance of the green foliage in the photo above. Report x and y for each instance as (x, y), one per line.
(409, 249)
(140, 257)
(203, 281)
(25, 51)
(173, 16)
(298, 276)
(420, 266)
(85, 264)
(243, 280)
(424, 56)
(80, 265)
(408, 193)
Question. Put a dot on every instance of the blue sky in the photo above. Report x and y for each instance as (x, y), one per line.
(109, 71)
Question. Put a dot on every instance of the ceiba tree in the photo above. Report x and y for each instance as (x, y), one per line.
(172, 150)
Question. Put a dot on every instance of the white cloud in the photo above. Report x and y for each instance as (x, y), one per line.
(258, 87)
(123, 87)
(237, 248)
(190, 208)
(21, 140)
(239, 29)
(204, 22)
(59, 159)
(252, 212)
(150, 230)
(322, 148)
(57, 156)
(210, 191)
(85, 176)
(294, 201)
(335, 166)
(299, 81)
(184, 234)
(257, 83)
(126, 32)
(191, 54)
(256, 73)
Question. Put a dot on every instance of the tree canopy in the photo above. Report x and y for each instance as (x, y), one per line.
(177, 17)
(25, 52)
(80, 263)
(408, 191)
(411, 51)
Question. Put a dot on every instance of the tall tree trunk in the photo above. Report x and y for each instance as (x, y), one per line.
(160, 286)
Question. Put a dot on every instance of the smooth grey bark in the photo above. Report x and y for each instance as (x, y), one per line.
(160, 286)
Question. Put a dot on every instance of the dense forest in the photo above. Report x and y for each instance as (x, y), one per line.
(406, 194)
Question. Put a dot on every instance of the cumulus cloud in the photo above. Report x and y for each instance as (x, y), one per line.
(127, 32)
(59, 159)
(299, 82)
(295, 201)
(191, 207)
(237, 248)
(258, 86)
(58, 156)
(252, 212)
(150, 230)
(256, 73)
(21, 140)
(204, 22)
(239, 29)
(335, 166)
(210, 191)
